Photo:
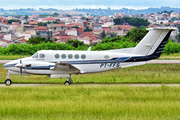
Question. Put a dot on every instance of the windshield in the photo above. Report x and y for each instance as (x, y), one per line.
(38, 55)
(35, 55)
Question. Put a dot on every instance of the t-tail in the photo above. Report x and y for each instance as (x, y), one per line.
(152, 45)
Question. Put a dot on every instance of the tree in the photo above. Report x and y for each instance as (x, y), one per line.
(37, 33)
(38, 40)
(68, 15)
(55, 14)
(179, 28)
(178, 37)
(131, 21)
(168, 12)
(113, 35)
(75, 43)
(75, 26)
(83, 18)
(88, 29)
(26, 22)
(26, 17)
(42, 24)
(12, 20)
(49, 33)
(136, 34)
(103, 34)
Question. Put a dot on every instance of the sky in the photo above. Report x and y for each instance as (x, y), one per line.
(72, 4)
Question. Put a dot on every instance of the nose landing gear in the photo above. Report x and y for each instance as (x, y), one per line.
(8, 82)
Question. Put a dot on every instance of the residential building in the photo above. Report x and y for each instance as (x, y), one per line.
(88, 23)
(42, 30)
(60, 27)
(50, 19)
(72, 32)
(4, 28)
(89, 37)
(4, 43)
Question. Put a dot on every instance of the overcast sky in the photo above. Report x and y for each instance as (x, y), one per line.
(70, 4)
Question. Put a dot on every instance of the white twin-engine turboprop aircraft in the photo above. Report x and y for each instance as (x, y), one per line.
(63, 63)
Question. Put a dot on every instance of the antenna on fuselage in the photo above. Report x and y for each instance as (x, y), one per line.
(89, 49)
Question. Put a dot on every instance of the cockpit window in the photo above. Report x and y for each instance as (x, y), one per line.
(35, 55)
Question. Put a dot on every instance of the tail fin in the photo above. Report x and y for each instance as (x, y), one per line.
(153, 43)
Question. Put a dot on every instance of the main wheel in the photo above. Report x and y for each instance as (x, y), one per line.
(8, 82)
(67, 83)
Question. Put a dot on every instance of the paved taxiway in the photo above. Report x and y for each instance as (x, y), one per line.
(85, 84)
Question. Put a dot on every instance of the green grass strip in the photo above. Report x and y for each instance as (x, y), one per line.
(89, 102)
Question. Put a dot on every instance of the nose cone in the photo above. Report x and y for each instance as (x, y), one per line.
(10, 64)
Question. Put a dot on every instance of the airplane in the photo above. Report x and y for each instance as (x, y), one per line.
(64, 63)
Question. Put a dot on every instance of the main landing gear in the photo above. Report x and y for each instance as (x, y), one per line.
(68, 81)
(8, 82)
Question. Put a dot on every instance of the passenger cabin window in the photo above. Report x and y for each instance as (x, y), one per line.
(63, 56)
(106, 56)
(70, 56)
(76, 56)
(83, 56)
(57, 56)
(42, 55)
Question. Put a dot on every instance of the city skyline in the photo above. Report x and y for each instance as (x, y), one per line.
(93, 4)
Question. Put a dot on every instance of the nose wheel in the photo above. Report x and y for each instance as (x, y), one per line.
(8, 82)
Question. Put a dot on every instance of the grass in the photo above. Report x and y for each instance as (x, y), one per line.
(149, 73)
(89, 102)
(99, 102)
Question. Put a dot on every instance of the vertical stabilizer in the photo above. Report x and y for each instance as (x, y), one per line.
(153, 43)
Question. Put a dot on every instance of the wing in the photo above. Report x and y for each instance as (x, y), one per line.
(65, 67)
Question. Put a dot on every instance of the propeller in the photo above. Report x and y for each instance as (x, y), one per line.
(21, 66)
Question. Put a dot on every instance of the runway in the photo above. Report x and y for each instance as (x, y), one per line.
(4, 61)
(163, 62)
(148, 62)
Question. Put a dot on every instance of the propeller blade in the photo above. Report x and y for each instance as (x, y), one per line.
(21, 66)
(21, 70)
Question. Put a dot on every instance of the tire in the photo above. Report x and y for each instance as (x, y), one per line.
(8, 82)
(67, 83)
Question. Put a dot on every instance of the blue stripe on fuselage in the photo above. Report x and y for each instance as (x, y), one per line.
(80, 62)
